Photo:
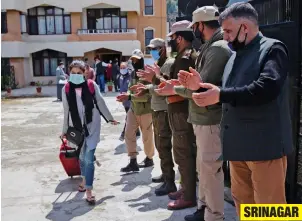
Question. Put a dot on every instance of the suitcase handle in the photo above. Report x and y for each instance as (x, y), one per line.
(65, 145)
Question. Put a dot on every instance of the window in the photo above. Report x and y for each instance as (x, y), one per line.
(149, 35)
(23, 22)
(3, 23)
(111, 19)
(45, 62)
(148, 7)
(48, 21)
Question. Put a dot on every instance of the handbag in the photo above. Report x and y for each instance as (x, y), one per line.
(75, 136)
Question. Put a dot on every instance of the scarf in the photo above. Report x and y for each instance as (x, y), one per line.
(87, 100)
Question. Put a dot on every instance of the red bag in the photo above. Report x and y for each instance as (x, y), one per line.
(69, 160)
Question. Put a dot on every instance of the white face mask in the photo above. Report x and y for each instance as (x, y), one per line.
(62, 66)
(124, 71)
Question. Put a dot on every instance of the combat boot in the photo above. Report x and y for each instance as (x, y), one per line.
(131, 167)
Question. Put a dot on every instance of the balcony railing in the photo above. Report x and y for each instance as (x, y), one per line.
(106, 31)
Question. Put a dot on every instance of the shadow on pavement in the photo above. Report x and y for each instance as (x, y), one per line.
(120, 149)
(132, 180)
(155, 202)
(66, 207)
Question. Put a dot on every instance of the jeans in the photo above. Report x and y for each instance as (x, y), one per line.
(87, 165)
(102, 82)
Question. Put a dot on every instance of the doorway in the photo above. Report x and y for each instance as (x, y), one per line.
(110, 57)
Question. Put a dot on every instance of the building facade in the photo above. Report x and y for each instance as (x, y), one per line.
(37, 34)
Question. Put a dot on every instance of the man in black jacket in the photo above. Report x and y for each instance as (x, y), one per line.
(115, 75)
(100, 73)
(256, 130)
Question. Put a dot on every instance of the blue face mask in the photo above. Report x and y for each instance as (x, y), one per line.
(76, 78)
(155, 54)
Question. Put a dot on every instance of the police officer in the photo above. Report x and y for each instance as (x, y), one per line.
(184, 147)
(210, 65)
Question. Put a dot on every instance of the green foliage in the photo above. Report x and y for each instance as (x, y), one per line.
(171, 6)
(109, 83)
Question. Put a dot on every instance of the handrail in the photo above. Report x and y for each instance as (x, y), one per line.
(107, 31)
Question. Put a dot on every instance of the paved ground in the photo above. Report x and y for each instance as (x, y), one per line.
(35, 186)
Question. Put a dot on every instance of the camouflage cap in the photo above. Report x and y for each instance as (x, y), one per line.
(137, 54)
(179, 26)
(205, 13)
(157, 42)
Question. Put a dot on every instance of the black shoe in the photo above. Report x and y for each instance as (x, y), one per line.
(131, 167)
(197, 216)
(146, 163)
(159, 179)
(165, 189)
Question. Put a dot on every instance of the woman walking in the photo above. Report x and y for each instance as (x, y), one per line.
(81, 113)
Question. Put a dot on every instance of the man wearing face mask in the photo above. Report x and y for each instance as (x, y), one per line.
(214, 54)
(256, 125)
(162, 131)
(139, 116)
(124, 81)
(184, 147)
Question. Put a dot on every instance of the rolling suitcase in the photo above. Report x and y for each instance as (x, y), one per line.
(69, 159)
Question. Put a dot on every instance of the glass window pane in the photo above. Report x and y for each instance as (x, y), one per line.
(50, 24)
(32, 11)
(59, 24)
(67, 24)
(53, 66)
(92, 23)
(23, 24)
(33, 28)
(100, 23)
(115, 12)
(97, 13)
(116, 22)
(37, 69)
(46, 67)
(41, 11)
(107, 12)
(49, 11)
(41, 24)
(58, 11)
(3, 22)
(148, 2)
(123, 22)
(149, 34)
(107, 23)
(90, 13)
(148, 10)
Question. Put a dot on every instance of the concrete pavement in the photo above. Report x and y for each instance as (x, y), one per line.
(35, 186)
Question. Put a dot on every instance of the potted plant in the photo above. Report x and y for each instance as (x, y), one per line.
(38, 87)
(110, 85)
(32, 83)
